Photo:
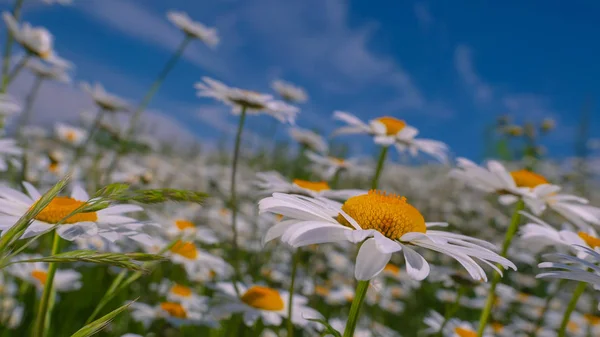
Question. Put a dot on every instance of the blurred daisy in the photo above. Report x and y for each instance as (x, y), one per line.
(179, 225)
(8, 105)
(193, 28)
(270, 182)
(289, 92)
(388, 131)
(458, 328)
(14, 204)
(35, 40)
(573, 268)
(46, 70)
(253, 102)
(36, 273)
(329, 166)
(103, 99)
(11, 313)
(176, 314)
(70, 134)
(193, 259)
(9, 152)
(175, 292)
(309, 138)
(383, 223)
(271, 305)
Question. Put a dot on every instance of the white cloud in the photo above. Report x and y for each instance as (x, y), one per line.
(423, 14)
(463, 61)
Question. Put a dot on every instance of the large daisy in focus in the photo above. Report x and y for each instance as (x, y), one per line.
(383, 224)
(388, 131)
(271, 305)
(252, 102)
(14, 204)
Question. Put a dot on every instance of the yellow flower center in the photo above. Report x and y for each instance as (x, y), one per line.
(523, 297)
(338, 161)
(70, 136)
(180, 290)
(497, 327)
(525, 178)
(572, 326)
(174, 309)
(183, 224)
(591, 319)
(53, 167)
(321, 290)
(224, 212)
(392, 125)
(389, 214)
(263, 298)
(45, 54)
(316, 186)
(392, 269)
(590, 240)
(60, 207)
(185, 249)
(464, 332)
(40, 275)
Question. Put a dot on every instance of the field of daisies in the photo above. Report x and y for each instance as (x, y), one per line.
(107, 231)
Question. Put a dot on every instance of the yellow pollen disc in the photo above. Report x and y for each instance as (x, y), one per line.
(389, 214)
(524, 178)
(45, 54)
(321, 291)
(316, 186)
(174, 309)
(349, 298)
(71, 136)
(463, 332)
(212, 274)
(263, 298)
(523, 297)
(572, 326)
(393, 269)
(61, 207)
(497, 327)
(590, 240)
(53, 167)
(181, 290)
(40, 275)
(185, 249)
(183, 224)
(591, 319)
(392, 125)
(279, 217)
(224, 212)
(338, 161)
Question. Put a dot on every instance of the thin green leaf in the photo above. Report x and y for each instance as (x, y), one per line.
(328, 328)
(99, 324)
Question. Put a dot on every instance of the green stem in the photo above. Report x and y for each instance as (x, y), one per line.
(148, 97)
(359, 297)
(570, 307)
(379, 169)
(290, 324)
(233, 200)
(91, 132)
(16, 13)
(510, 233)
(108, 295)
(14, 72)
(27, 108)
(44, 309)
(336, 178)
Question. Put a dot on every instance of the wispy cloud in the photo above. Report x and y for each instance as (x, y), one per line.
(463, 61)
(423, 14)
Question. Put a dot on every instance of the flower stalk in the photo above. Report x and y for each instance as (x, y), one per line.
(16, 13)
(359, 297)
(379, 169)
(570, 308)
(296, 260)
(44, 309)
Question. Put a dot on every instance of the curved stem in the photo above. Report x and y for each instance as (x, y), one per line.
(91, 132)
(510, 233)
(359, 297)
(44, 309)
(16, 12)
(379, 169)
(570, 307)
(148, 97)
(290, 324)
(6, 80)
(233, 200)
(29, 100)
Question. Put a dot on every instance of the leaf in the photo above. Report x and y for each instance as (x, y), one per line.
(328, 328)
(160, 195)
(99, 324)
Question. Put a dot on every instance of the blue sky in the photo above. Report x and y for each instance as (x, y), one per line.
(447, 67)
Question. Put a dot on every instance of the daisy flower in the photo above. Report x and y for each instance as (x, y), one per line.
(36, 273)
(193, 259)
(329, 166)
(309, 138)
(179, 293)
(181, 225)
(176, 314)
(271, 305)
(383, 224)
(70, 134)
(573, 268)
(46, 70)
(9, 151)
(8, 105)
(14, 204)
(253, 102)
(289, 92)
(270, 182)
(35, 40)
(103, 99)
(193, 28)
(388, 131)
